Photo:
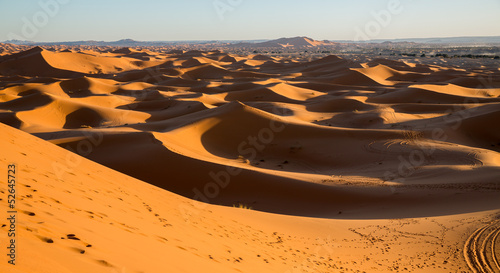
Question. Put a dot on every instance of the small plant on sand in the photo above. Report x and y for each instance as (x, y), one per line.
(243, 159)
(412, 136)
(486, 93)
(242, 206)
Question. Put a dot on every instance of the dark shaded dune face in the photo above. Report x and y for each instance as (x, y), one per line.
(43, 80)
(389, 63)
(125, 50)
(207, 71)
(417, 95)
(325, 65)
(278, 109)
(151, 75)
(75, 84)
(191, 62)
(330, 104)
(355, 120)
(300, 132)
(154, 104)
(423, 108)
(479, 82)
(83, 117)
(321, 147)
(350, 78)
(257, 94)
(262, 58)
(77, 87)
(143, 95)
(29, 100)
(5, 79)
(240, 86)
(163, 110)
(32, 63)
(10, 119)
(28, 92)
(227, 59)
(483, 129)
(400, 66)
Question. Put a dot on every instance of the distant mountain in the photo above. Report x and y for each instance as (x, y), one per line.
(447, 40)
(120, 43)
(295, 42)
(124, 43)
(19, 42)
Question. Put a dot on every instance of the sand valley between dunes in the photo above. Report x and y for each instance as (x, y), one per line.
(159, 160)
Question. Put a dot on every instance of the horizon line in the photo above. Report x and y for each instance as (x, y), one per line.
(264, 39)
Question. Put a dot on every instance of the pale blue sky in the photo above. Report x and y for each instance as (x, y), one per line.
(244, 19)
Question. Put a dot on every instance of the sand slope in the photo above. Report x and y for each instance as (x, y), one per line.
(91, 218)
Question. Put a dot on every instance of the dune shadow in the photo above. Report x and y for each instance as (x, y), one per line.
(142, 156)
(10, 119)
(31, 99)
(83, 117)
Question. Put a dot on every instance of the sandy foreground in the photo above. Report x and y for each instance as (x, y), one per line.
(327, 165)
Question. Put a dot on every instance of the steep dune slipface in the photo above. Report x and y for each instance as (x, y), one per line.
(329, 138)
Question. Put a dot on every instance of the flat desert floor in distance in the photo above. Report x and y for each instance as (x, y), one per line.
(159, 160)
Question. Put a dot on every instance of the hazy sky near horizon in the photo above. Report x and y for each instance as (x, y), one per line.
(170, 20)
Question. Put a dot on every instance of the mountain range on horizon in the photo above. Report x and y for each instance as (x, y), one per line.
(285, 42)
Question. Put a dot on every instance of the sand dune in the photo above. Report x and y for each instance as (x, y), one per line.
(350, 144)
(40, 62)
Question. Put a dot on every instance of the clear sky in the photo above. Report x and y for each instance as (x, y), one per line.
(170, 20)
